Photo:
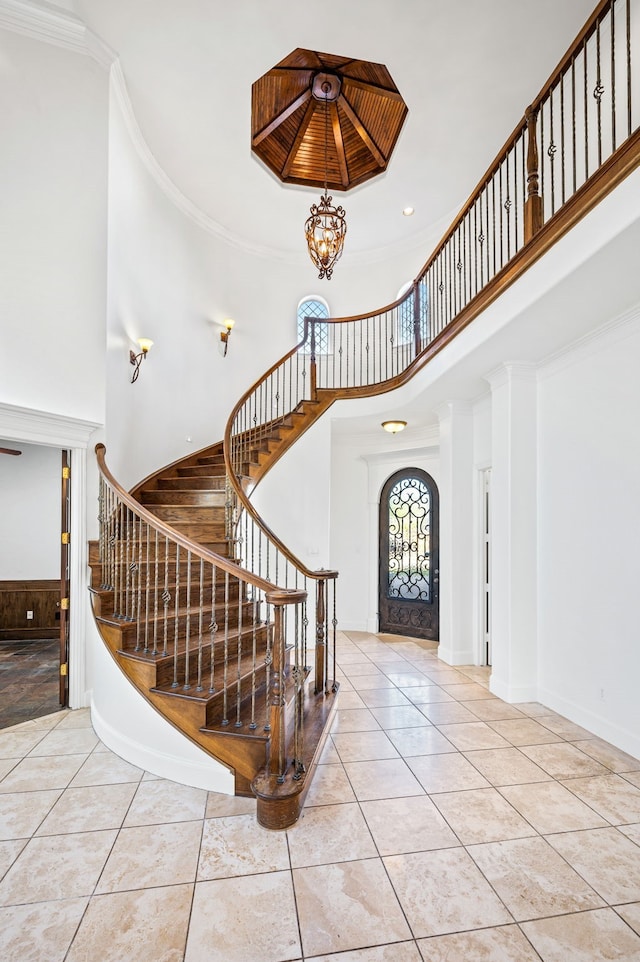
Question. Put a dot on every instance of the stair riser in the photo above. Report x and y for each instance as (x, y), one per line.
(209, 482)
(170, 576)
(136, 602)
(188, 513)
(201, 470)
(185, 497)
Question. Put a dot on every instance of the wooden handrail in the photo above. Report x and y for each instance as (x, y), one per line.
(155, 522)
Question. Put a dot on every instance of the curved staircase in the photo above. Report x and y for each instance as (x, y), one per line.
(207, 612)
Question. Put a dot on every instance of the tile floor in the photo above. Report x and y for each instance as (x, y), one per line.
(442, 825)
(29, 680)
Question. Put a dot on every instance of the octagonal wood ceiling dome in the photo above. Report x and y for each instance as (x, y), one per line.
(359, 102)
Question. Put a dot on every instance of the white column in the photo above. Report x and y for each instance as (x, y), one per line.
(456, 533)
(513, 534)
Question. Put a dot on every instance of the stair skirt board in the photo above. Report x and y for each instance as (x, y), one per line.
(150, 742)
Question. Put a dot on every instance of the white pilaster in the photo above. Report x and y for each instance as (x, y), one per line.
(513, 533)
(456, 533)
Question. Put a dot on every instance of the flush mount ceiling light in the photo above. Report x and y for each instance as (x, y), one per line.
(326, 121)
(408, 211)
(394, 426)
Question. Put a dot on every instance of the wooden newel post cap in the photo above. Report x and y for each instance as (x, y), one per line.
(286, 596)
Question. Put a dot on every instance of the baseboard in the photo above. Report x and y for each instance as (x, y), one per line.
(450, 657)
(513, 694)
(209, 774)
(623, 738)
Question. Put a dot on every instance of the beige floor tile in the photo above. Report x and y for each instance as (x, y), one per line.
(9, 851)
(354, 720)
(329, 786)
(446, 773)
(88, 809)
(17, 743)
(41, 932)
(44, 723)
(610, 795)
(503, 944)
(631, 831)
(524, 731)
(152, 855)
(598, 936)
(482, 815)
(402, 825)
(407, 679)
(362, 683)
(349, 699)
(236, 916)
(56, 867)
(506, 766)
(563, 761)
(59, 742)
(396, 952)
(329, 755)
(400, 716)
(219, 805)
(335, 833)
(468, 691)
(562, 726)
(606, 859)
(21, 813)
(551, 808)
(420, 741)
(347, 906)
(363, 746)
(237, 845)
(77, 718)
(6, 764)
(492, 709)
(445, 676)
(352, 657)
(533, 708)
(164, 801)
(633, 778)
(380, 697)
(40, 774)
(473, 735)
(631, 914)
(428, 695)
(614, 759)
(149, 925)
(106, 768)
(383, 778)
(531, 878)
(449, 713)
(443, 891)
(358, 668)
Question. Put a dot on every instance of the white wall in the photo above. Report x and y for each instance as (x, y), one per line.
(30, 512)
(360, 465)
(53, 198)
(588, 534)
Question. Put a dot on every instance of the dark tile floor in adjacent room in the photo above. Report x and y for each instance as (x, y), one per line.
(28, 680)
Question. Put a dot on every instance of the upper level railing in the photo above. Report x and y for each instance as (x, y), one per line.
(577, 140)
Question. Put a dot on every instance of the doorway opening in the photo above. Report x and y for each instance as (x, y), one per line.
(408, 585)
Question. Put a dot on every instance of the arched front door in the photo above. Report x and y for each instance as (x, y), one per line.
(408, 545)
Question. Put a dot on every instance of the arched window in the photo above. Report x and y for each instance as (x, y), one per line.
(406, 319)
(317, 308)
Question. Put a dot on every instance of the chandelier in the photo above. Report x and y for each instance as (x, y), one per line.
(326, 226)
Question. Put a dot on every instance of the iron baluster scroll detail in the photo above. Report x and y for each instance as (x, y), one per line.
(409, 541)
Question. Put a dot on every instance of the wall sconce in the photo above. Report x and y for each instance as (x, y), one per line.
(394, 426)
(145, 345)
(226, 334)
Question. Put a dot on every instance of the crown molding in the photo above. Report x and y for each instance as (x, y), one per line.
(511, 371)
(618, 329)
(51, 24)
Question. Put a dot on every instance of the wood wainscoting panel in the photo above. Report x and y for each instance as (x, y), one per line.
(19, 597)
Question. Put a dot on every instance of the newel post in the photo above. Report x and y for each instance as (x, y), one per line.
(280, 598)
(321, 642)
(533, 211)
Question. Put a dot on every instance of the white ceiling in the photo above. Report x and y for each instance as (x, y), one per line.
(466, 69)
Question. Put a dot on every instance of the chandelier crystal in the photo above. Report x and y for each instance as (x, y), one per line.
(326, 226)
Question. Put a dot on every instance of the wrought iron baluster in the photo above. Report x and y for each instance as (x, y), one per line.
(156, 590)
(241, 589)
(187, 631)
(176, 619)
(225, 664)
(213, 628)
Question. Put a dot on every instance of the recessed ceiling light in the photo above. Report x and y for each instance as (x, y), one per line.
(408, 211)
